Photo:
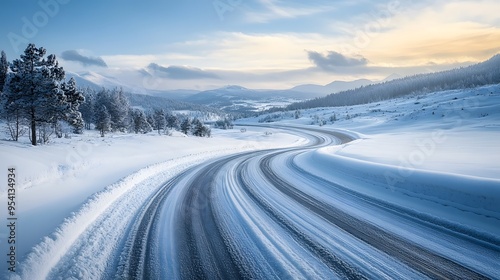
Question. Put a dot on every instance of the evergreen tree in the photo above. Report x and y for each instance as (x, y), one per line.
(159, 120)
(140, 124)
(103, 120)
(74, 98)
(224, 124)
(15, 120)
(172, 121)
(4, 67)
(199, 129)
(186, 125)
(34, 89)
(333, 118)
(196, 127)
(87, 108)
(119, 109)
(150, 119)
(10, 110)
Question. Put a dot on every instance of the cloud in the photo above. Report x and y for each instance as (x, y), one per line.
(334, 60)
(445, 32)
(271, 10)
(74, 55)
(182, 72)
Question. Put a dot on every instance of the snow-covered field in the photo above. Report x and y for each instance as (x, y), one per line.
(423, 169)
(451, 131)
(441, 149)
(63, 186)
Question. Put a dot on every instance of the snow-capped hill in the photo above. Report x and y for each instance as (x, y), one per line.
(81, 81)
(391, 77)
(97, 81)
(332, 87)
(234, 88)
(239, 99)
(102, 80)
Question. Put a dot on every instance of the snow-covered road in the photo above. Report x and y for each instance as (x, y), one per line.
(266, 215)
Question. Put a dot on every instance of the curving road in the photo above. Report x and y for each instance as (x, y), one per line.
(259, 215)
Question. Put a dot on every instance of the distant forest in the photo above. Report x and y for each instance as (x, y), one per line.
(484, 73)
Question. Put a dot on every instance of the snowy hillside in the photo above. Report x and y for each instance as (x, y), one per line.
(238, 99)
(484, 73)
(466, 122)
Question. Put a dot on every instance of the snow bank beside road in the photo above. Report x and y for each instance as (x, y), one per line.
(441, 148)
(458, 190)
(466, 152)
(75, 175)
(106, 213)
(471, 202)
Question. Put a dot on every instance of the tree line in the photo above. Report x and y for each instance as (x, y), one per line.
(36, 98)
(484, 73)
(110, 111)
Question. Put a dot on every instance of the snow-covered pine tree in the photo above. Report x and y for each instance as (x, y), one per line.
(103, 120)
(12, 114)
(87, 108)
(119, 110)
(199, 129)
(186, 125)
(74, 98)
(159, 120)
(297, 114)
(144, 124)
(333, 118)
(118, 107)
(133, 116)
(150, 118)
(172, 121)
(140, 124)
(33, 89)
(196, 127)
(8, 110)
(4, 67)
(224, 124)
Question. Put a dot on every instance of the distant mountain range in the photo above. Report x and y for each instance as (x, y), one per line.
(97, 81)
(339, 86)
(333, 87)
(232, 98)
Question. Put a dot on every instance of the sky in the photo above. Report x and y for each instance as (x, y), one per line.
(260, 44)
